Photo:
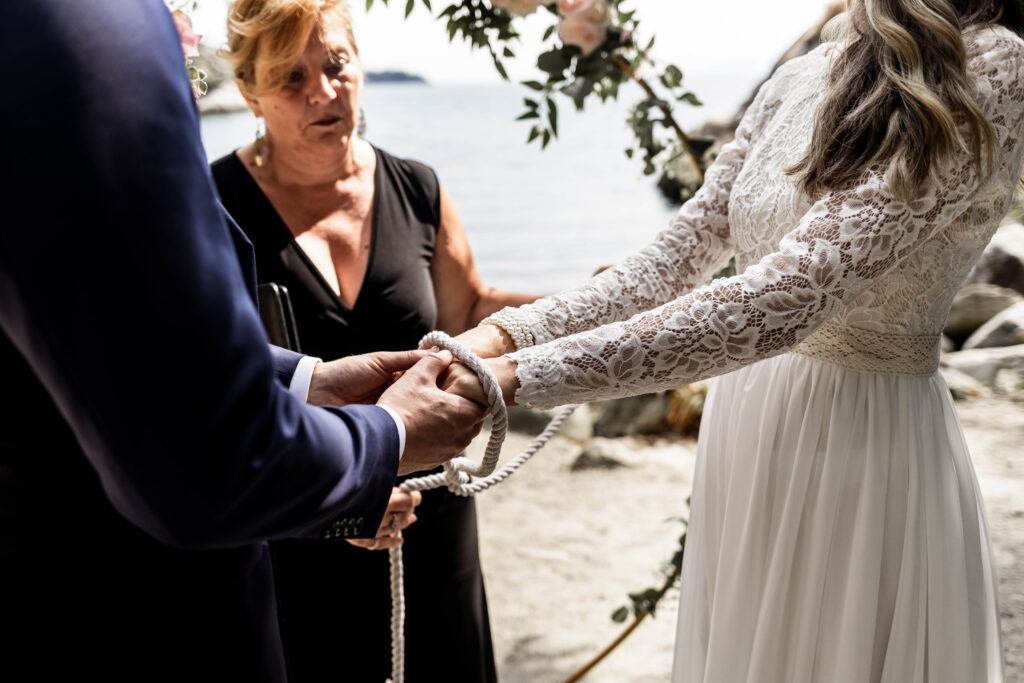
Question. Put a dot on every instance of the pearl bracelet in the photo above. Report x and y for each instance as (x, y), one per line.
(521, 335)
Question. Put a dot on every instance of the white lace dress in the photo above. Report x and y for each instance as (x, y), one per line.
(836, 528)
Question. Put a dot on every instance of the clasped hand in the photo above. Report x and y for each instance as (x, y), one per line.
(440, 402)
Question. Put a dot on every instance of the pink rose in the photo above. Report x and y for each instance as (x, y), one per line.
(594, 11)
(519, 8)
(189, 38)
(585, 35)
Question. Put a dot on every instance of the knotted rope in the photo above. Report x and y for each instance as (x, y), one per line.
(457, 476)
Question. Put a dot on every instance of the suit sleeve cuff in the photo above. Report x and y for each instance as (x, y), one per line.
(303, 377)
(401, 430)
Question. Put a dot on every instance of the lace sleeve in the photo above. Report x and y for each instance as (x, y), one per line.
(695, 246)
(845, 242)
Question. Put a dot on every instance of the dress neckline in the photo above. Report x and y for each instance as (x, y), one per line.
(303, 257)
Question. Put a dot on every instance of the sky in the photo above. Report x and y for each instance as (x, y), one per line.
(699, 36)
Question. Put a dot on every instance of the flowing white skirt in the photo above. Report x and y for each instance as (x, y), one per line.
(837, 534)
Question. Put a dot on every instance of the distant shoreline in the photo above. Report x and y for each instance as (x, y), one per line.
(393, 77)
(224, 98)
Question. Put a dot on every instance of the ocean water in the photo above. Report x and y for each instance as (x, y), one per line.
(537, 221)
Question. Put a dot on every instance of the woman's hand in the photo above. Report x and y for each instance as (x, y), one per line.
(399, 515)
(462, 381)
(487, 341)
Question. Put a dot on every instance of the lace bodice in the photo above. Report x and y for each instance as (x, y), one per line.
(856, 278)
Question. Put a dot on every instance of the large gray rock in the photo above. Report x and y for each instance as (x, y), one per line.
(578, 427)
(644, 414)
(1002, 262)
(974, 305)
(984, 364)
(603, 454)
(962, 385)
(1005, 329)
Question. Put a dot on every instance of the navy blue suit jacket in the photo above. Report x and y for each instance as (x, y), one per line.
(148, 447)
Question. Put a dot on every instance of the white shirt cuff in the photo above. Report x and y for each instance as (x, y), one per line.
(303, 377)
(401, 429)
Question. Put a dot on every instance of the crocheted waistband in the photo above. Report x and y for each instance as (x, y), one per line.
(891, 354)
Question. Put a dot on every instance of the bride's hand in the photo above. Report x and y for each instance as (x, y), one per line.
(462, 381)
(487, 341)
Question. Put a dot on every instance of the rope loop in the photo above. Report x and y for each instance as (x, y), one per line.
(458, 476)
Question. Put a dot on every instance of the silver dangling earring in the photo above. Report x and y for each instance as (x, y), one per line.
(361, 124)
(260, 144)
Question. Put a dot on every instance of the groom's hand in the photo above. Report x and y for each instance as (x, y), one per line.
(358, 379)
(438, 425)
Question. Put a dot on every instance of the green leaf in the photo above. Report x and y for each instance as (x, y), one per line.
(427, 3)
(629, 153)
(528, 115)
(553, 62)
(533, 85)
(672, 77)
(620, 615)
(547, 139)
(547, 32)
(408, 7)
(532, 104)
(448, 11)
(369, 4)
(534, 132)
(508, 53)
(691, 98)
(552, 116)
(501, 68)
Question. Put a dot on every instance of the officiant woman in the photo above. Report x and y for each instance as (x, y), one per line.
(373, 254)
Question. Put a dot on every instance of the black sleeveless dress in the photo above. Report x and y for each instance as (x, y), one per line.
(334, 600)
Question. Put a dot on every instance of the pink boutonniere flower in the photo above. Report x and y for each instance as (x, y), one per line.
(189, 38)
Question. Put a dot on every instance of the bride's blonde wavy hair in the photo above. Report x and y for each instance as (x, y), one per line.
(897, 92)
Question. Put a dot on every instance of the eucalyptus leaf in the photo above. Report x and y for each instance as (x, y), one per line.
(552, 116)
(501, 68)
(408, 7)
(553, 62)
(672, 77)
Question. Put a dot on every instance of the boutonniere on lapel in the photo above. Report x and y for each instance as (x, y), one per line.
(189, 48)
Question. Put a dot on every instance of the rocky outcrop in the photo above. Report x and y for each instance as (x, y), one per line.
(961, 385)
(1002, 263)
(974, 305)
(984, 365)
(1006, 328)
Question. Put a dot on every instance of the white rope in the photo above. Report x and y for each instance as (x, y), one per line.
(457, 477)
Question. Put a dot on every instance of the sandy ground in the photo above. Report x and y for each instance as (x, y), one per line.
(561, 549)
